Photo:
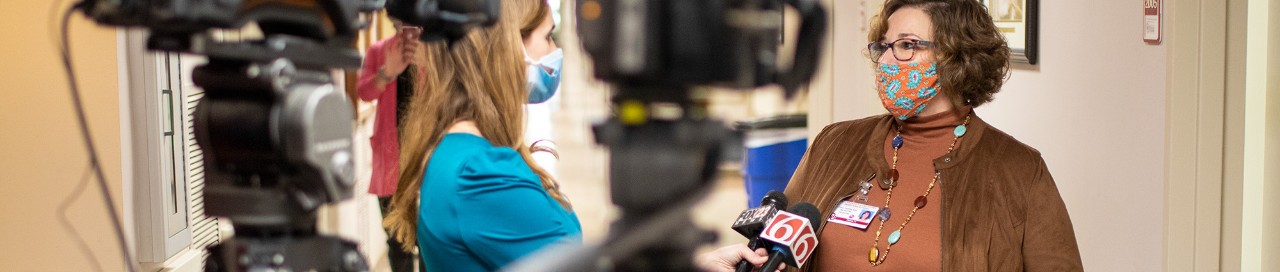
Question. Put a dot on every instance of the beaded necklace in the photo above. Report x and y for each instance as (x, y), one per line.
(874, 255)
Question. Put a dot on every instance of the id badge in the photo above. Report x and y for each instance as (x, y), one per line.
(854, 214)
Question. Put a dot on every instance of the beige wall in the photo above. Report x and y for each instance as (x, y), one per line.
(1250, 212)
(853, 96)
(1233, 192)
(1271, 207)
(1260, 217)
(1094, 106)
(1271, 225)
(42, 156)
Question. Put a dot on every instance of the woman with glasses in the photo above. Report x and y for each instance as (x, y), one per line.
(947, 190)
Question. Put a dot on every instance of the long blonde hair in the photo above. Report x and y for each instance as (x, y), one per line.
(479, 78)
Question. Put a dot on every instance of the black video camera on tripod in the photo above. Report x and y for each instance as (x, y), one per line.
(664, 147)
(276, 133)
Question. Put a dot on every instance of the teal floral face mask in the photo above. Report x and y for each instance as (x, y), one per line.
(905, 89)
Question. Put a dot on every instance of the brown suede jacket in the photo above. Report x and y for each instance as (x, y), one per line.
(1001, 210)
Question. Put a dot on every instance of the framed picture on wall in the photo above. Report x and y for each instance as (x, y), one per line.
(1019, 21)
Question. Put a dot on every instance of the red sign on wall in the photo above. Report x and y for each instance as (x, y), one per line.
(1151, 21)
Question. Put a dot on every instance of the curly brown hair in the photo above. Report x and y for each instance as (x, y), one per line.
(973, 58)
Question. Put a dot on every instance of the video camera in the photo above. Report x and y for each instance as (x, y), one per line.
(664, 148)
(671, 43)
(275, 132)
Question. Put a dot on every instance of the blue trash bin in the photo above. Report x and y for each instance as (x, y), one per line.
(774, 147)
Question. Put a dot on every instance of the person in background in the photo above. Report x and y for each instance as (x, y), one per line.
(469, 197)
(386, 77)
(950, 191)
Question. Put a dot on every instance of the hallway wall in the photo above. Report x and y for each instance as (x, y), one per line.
(1094, 107)
(42, 156)
(1260, 124)
(1271, 212)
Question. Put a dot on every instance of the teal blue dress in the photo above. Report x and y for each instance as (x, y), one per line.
(482, 208)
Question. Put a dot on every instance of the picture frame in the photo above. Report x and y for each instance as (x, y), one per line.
(1019, 22)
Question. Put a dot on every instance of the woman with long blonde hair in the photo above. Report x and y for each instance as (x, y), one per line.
(469, 196)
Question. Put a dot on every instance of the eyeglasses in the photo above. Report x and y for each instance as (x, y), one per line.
(903, 49)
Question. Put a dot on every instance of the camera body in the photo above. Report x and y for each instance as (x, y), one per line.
(445, 19)
(676, 44)
(170, 15)
(680, 43)
(173, 23)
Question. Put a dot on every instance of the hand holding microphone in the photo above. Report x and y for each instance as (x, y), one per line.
(752, 221)
(724, 259)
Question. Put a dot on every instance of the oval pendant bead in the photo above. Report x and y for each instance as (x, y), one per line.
(873, 255)
(884, 214)
(897, 141)
(893, 237)
(960, 130)
(921, 201)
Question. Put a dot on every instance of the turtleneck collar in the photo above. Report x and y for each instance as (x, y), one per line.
(875, 148)
(936, 126)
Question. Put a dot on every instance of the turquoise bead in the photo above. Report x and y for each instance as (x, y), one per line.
(893, 237)
(960, 130)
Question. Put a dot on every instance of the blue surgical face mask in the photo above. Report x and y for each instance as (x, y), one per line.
(544, 76)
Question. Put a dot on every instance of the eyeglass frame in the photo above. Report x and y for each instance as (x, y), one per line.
(890, 49)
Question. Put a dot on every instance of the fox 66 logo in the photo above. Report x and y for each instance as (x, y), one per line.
(795, 232)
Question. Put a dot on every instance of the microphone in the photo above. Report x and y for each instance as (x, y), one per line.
(752, 221)
(792, 235)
